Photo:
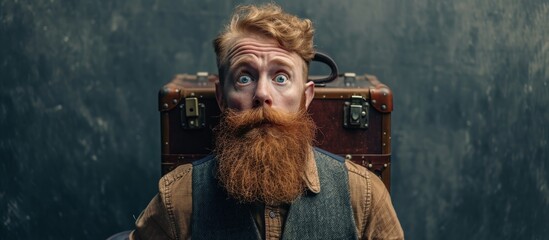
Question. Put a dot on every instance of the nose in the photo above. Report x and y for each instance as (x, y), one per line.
(262, 94)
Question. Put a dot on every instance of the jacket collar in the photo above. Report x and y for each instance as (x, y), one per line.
(311, 174)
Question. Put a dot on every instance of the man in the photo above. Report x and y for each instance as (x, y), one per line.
(265, 180)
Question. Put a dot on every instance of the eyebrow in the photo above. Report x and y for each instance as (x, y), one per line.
(283, 61)
(242, 62)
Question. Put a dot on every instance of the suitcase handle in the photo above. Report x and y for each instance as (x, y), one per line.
(323, 58)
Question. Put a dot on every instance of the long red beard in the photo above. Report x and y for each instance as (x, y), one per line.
(262, 153)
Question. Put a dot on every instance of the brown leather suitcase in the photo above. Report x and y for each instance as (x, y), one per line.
(353, 115)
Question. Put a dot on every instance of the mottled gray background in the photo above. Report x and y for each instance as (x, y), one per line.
(79, 127)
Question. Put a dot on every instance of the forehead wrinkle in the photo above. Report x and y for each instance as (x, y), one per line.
(243, 60)
(245, 46)
(256, 43)
(253, 57)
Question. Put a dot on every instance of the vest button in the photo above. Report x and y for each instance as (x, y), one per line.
(272, 214)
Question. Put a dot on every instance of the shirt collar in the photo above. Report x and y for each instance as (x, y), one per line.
(311, 174)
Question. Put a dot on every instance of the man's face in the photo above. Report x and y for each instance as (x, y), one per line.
(261, 74)
(264, 122)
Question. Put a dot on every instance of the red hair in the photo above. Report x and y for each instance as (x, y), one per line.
(292, 33)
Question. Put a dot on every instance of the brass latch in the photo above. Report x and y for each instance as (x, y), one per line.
(356, 113)
(193, 114)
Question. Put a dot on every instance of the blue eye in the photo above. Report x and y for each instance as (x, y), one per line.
(244, 79)
(281, 78)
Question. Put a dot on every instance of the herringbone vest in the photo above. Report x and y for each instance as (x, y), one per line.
(325, 215)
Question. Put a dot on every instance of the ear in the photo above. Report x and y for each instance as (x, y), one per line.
(219, 95)
(309, 93)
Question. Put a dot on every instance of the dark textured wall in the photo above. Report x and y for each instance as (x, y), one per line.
(79, 128)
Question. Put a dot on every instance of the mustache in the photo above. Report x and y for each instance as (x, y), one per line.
(240, 122)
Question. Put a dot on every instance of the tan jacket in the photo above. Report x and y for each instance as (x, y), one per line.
(168, 215)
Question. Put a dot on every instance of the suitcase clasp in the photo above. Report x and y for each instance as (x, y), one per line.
(355, 113)
(193, 114)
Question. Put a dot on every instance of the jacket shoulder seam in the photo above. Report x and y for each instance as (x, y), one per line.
(367, 198)
(165, 182)
(176, 174)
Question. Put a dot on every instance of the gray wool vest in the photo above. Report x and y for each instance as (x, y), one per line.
(325, 215)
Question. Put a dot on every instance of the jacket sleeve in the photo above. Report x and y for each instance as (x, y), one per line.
(375, 217)
(382, 222)
(168, 215)
(153, 223)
